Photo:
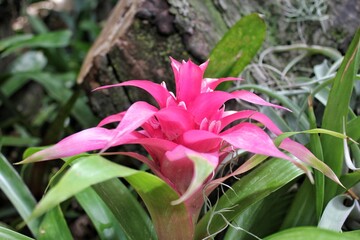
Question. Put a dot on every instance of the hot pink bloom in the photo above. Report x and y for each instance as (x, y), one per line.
(192, 123)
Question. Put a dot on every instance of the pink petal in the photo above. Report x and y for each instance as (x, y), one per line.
(135, 116)
(159, 93)
(200, 140)
(208, 104)
(179, 169)
(212, 83)
(155, 147)
(203, 66)
(253, 98)
(154, 168)
(112, 118)
(260, 117)
(251, 138)
(175, 65)
(87, 140)
(174, 121)
(188, 79)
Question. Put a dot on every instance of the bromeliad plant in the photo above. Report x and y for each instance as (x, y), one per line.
(188, 136)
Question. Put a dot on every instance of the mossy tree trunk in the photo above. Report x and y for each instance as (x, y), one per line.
(139, 37)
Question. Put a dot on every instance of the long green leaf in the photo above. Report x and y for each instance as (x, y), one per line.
(157, 195)
(255, 186)
(262, 218)
(19, 141)
(48, 40)
(353, 128)
(87, 171)
(301, 233)
(238, 46)
(6, 233)
(103, 219)
(316, 148)
(54, 226)
(18, 193)
(14, 40)
(302, 210)
(56, 86)
(170, 221)
(349, 180)
(336, 112)
(117, 206)
(127, 211)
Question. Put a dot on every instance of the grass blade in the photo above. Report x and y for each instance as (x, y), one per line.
(301, 233)
(6, 233)
(47, 40)
(103, 219)
(316, 148)
(255, 186)
(302, 210)
(262, 218)
(336, 112)
(156, 194)
(18, 193)
(127, 211)
(54, 226)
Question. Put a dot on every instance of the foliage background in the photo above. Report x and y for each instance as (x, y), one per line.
(41, 103)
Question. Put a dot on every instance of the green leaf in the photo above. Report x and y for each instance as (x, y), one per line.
(353, 129)
(252, 188)
(17, 192)
(166, 217)
(302, 210)
(316, 148)
(156, 194)
(104, 221)
(54, 226)
(19, 141)
(261, 218)
(127, 211)
(14, 40)
(237, 48)
(6, 233)
(312, 160)
(349, 180)
(57, 87)
(301, 233)
(355, 233)
(336, 112)
(47, 40)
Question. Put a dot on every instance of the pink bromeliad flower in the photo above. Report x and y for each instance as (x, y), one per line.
(184, 131)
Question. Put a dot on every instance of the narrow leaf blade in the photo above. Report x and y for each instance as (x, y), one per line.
(54, 226)
(6, 233)
(336, 111)
(301, 233)
(247, 191)
(104, 221)
(18, 193)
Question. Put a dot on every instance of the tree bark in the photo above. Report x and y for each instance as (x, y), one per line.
(140, 36)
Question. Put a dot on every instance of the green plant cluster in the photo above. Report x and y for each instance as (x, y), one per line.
(274, 201)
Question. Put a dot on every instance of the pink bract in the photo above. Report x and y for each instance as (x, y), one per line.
(191, 122)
